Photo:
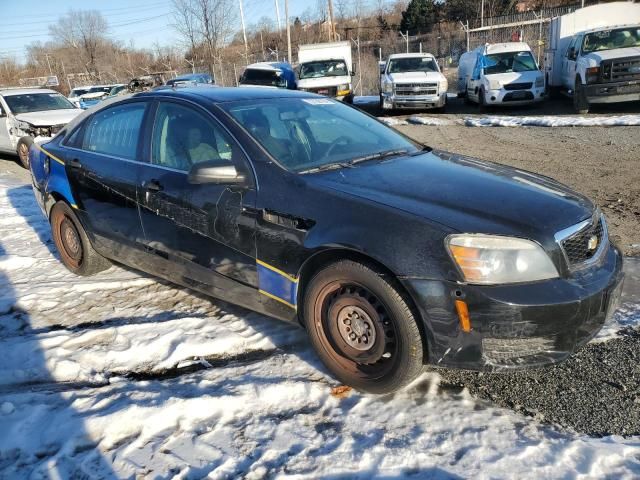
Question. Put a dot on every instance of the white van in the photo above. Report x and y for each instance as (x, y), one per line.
(500, 74)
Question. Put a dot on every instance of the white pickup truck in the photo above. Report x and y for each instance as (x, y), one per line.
(412, 80)
(326, 69)
(594, 54)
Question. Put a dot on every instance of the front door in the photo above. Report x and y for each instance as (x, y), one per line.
(101, 162)
(202, 235)
(569, 63)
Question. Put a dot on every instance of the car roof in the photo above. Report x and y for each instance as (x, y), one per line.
(270, 66)
(226, 94)
(507, 47)
(410, 55)
(22, 91)
(190, 75)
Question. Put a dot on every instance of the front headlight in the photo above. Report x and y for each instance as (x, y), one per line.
(493, 259)
(540, 82)
(344, 86)
(494, 84)
(388, 88)
(443, 85)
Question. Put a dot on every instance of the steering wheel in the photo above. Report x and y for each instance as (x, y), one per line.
(341, 140)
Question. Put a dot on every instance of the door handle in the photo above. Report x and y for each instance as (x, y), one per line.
(75, 163)
(152, 185)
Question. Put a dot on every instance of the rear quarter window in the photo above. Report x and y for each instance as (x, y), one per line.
(115, 130)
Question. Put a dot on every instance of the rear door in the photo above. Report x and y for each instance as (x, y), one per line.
(204, 233)
(102, 165)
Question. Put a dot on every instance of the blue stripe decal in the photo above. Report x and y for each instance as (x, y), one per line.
(277, 285)
(59, 182)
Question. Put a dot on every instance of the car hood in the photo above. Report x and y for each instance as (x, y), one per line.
(464, 194)
(328, 81)
(415, 77)
(615, 53)
(48, 118)
(515, 77)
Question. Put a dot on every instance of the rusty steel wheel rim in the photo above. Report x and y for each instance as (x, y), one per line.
(69, 241)
(355, 329)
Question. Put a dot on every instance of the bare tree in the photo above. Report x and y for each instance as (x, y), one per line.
(84, 31)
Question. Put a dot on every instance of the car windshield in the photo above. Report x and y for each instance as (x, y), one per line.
(116, 90)
(37, 102)
(610, 39)
(508, 62)
(258, 76)
(99, 89)
(305, 134)
(76, 92)
(323, 68)
(413, 64)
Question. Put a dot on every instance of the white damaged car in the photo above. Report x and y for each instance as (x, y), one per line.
(31, 114)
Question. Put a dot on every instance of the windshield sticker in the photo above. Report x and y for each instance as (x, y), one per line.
(317, 101)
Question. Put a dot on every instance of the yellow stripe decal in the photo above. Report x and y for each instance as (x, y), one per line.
(280, 272)
(48, 154)
(278, 299)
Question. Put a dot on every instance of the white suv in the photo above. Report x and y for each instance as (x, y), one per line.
(31, 114)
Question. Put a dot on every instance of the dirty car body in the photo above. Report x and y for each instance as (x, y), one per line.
(437, 223)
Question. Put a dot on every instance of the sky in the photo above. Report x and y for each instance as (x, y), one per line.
(144, 22)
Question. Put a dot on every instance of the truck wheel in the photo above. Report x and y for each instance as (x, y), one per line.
(381, 103)
(580, 102)
(24, 144)
(72, 243)
(482, 106)
(362, 327)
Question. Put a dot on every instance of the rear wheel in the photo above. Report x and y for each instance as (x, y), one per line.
(24, 144)
(362, 327)
(72, 243)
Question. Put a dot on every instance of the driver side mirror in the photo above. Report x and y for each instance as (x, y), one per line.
(381, 66)
(216, 172)
(572, 53)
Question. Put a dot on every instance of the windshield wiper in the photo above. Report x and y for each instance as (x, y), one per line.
(326, 166)
(377, 156)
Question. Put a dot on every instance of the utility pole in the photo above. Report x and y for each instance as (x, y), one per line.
(286, 14)
(482, 13)
(278, 17)
(244, 33)
(332, 32)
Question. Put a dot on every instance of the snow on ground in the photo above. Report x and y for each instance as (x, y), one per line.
(119, 375)
(553, 121)
(434, 121)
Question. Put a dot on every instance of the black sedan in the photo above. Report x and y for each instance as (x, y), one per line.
(391, 255)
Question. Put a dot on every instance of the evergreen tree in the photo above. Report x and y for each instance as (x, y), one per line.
(420, 16)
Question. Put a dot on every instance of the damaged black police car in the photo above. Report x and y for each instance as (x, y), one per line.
(390, 254)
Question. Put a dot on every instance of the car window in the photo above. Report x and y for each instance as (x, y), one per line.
(115, 130)
(183, 137)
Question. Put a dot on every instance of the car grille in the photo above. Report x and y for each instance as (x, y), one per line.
(577, 246)
(621, 69)
(517, 86)
(417, 89)
(327, 91)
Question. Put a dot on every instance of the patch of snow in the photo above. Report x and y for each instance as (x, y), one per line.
(552, 121)
(433, 121)
(393, 122)
(276, 414)
(626, 316)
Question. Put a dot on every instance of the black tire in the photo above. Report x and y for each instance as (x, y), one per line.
(346, 292)
(482, 106)
(24, 144)
(381, 104)
(580, 102)
(72, 243)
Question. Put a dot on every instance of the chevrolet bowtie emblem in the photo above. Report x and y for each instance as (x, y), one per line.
(592, 244)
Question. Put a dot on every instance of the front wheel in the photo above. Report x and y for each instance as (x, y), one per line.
(72, 243)
(362, 327)
(580, 102)
(24, 144)
(482, 105)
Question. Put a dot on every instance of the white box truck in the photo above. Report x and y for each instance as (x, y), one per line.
(594, 54)
(326, 69)
(500, 74)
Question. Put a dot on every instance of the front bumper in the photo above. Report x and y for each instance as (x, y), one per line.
(514, 97)
(617, 92)
(517, 326)
(393, 101)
